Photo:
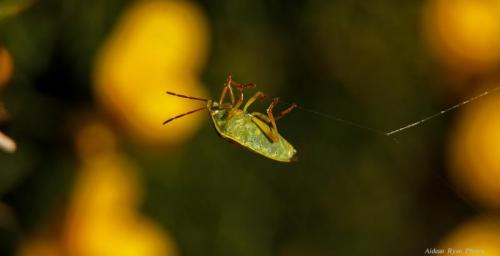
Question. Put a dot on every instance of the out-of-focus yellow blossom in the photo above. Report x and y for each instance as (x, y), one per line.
(156, 46)
(6, 66)
(465, 34)
(480, 236)
(103, 217)
(475, 150)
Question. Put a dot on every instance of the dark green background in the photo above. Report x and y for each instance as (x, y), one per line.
(352, 192)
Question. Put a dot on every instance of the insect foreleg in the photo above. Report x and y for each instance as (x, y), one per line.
(243, 86)
(240, 88)
(240, 99)
(227, 87)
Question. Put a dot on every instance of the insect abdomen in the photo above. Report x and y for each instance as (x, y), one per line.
(241, 129)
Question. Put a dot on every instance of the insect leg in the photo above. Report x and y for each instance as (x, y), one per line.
(240, 88)
(226, 106)
(243, 86)
(286, 111)
(240, 99)
(227, 87)
(261, 116)
(268, 131)
(271, 118)
(258, 95)
(281, 115)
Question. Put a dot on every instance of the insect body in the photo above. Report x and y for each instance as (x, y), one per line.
(254, 131)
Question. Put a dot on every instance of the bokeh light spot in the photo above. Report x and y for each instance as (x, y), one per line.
(103, 217)
(156, 46)
(475, 151)
(480, 236)
(6, 66)
(465, 33)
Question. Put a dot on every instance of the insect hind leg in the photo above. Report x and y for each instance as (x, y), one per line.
(261, 116)
(283, 113)
(286, 111)
(258, 95)
(269, 111)
(261, 121)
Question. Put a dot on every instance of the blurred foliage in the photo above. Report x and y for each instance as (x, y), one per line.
(13, 7)
(75, 190)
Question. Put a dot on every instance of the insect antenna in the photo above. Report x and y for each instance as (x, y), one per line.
(185, 114)
(186, 97)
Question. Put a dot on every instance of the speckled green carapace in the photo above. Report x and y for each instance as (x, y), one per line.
(250, 132)
(254, 131)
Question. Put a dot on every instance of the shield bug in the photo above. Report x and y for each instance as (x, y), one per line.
(254, 131)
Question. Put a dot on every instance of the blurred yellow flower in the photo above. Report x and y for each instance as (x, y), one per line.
(103, 218)
(156, 46)
(6, 66)
(475, 151)
(464, 34)
(480, 236)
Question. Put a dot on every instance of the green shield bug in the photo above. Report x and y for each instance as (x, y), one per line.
(254, 131)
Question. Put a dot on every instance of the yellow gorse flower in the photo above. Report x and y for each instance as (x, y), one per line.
(479, 236)
(475, 151)
(156, 45)
(102, 216)
(464, 34)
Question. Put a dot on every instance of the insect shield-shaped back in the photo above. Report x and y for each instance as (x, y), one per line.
(241, 128)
